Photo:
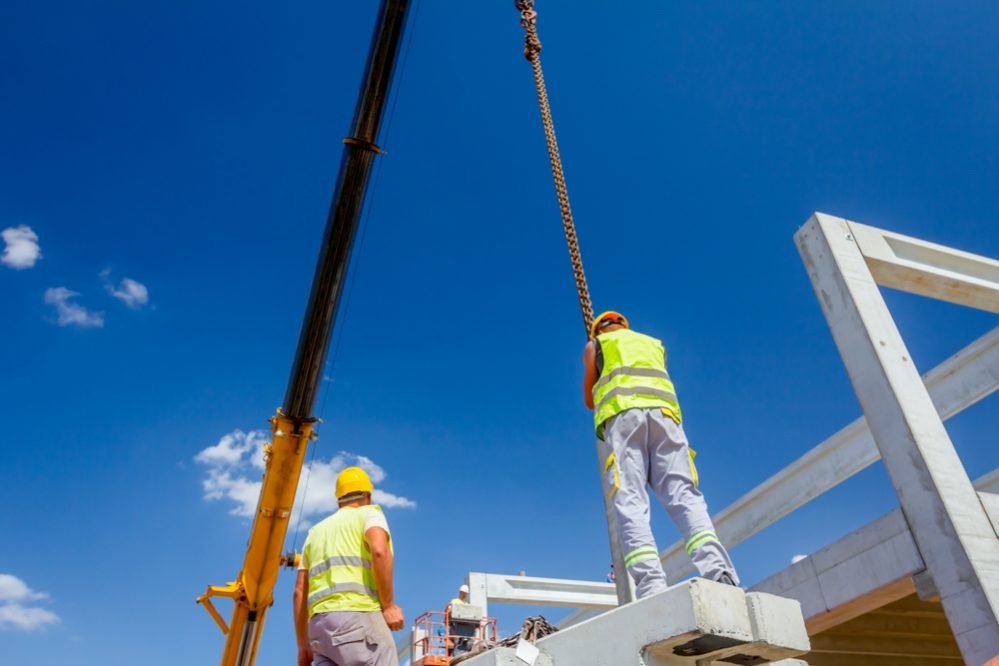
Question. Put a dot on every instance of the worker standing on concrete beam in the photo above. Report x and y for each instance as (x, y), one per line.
(344, 605)
(642, 443)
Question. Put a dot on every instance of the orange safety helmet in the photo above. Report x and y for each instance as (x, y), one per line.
(607, 316)
(353, 481)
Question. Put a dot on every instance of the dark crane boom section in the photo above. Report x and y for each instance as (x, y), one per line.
(345, 211)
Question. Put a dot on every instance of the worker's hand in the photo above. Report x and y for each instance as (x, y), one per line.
(304, 656)
(393, 617)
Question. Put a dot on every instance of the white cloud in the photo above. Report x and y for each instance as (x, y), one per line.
(130, 292)
(13, 588)
(14, 613)
(238, 455)
(232, 447)
(72, 314)
(798, 558)
(21, 247)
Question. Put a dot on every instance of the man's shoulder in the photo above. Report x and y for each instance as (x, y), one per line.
(375, 517)
(325, 523)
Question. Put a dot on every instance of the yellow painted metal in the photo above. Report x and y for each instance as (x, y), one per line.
(253, 590)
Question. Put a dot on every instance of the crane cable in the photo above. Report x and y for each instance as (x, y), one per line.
(532, 51)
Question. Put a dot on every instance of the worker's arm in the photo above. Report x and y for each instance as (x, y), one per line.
(301, 610)
(589, 372)
(381, 566)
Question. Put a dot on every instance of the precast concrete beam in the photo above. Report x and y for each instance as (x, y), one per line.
(927, 269)
(695, 622)
(991, 503)
(948, 522)
(536, 591)
(862, 571)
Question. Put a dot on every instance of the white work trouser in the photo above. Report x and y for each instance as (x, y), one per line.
(650, 449)
(349, 638)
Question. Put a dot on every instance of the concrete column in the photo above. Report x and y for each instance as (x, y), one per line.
(947, 520)
(478, 591)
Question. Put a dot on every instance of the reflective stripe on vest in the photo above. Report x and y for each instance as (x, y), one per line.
(340, 573)
(340, 588)
(339, 561)
(633, 376)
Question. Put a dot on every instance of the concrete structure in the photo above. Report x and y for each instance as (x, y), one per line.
(530, 590)
(934, 558)
(868, 568)
(694, 622)
(846, 261)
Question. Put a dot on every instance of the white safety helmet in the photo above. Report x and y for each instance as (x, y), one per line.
(463, 588)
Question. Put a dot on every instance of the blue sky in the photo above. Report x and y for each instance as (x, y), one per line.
(192, 147)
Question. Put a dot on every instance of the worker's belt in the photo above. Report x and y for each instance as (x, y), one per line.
(339, 588)
(339, 561)
(631, 372)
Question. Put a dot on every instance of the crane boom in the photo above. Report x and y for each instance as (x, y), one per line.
(252, 592)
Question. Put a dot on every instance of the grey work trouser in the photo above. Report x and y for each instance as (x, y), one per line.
(346, 638)
(650, 449)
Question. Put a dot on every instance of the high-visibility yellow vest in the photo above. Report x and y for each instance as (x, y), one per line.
(340, 575)
(633, 375)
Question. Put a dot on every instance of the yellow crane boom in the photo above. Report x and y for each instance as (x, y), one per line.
(252, 592)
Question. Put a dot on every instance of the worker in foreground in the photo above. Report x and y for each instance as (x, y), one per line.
(642, 444)
(343, 603)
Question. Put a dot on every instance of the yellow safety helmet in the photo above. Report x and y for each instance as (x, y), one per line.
(606, 316)
(353, 481)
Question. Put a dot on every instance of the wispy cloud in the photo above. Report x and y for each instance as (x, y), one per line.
(15, 610)
(69, 313)
(21, 249)
(238, 455)
(798, 558)
(132, 293)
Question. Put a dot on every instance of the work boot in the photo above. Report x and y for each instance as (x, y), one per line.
(727, 579)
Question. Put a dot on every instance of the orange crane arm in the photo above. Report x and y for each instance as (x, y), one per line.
(252, 592)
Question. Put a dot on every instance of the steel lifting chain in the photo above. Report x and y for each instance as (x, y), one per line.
(532, 51)
(533, 629)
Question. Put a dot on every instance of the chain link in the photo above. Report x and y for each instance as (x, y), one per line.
(532, 51)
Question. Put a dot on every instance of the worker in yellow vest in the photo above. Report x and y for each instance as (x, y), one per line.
(461, 643)
(344, 607)
(462, 597)
(638, 423)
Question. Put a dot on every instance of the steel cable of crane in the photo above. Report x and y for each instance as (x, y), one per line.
(532, 51)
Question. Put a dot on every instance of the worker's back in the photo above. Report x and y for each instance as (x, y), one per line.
(632, 374)
(339, 561)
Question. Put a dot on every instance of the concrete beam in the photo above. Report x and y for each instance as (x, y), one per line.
(988, 483)
(948, 521)
(535, 591)
(927, 269)
(696, 620)
(866, 569)
(853, 575)
(991, 503)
